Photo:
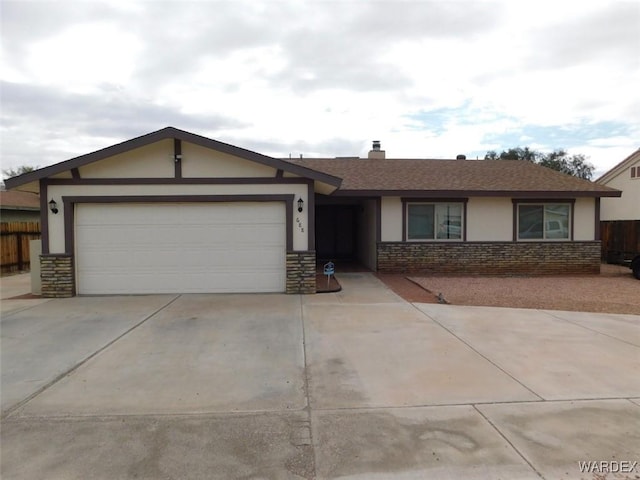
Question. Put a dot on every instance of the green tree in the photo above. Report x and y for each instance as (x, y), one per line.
(559, 160)
(575, 165)
(14, 172)
(517, 153)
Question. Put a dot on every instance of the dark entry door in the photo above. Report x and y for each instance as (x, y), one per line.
(336, 232)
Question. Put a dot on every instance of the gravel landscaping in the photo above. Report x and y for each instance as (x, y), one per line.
(613, 291)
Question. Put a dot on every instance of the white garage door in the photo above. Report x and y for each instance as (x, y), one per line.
(180, 247)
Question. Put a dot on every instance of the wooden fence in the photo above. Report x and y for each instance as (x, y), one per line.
(620, 240)
(14, 245)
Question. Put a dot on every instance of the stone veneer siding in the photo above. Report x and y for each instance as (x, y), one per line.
(301, 272)
(56, 275)
(492, 258)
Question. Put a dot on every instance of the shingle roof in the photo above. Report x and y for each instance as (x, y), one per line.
(373, 177)
(19, 200)
(452, 177)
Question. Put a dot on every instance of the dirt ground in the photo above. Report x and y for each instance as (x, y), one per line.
(613, 291)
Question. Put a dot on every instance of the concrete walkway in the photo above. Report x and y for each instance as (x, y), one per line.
(13, 286)
(357, 384)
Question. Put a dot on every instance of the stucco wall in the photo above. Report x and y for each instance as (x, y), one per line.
(198, 161)
(157, 161)
(584, 222)
(626, 207)
(391, 219)
(151, 161)
(367, 234)
(489, 219)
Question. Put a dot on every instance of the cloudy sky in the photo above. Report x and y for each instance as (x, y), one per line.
(430, 79)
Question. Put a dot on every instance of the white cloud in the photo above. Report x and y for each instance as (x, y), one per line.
(427, 78)
(83, 57)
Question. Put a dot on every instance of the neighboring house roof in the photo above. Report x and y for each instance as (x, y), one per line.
(19, 201)
(163, 134)
(619, 168)
(441, 178)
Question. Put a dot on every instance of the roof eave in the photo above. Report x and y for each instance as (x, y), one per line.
(85, 159)
(163, 134)
(15, 207)
(477, 193)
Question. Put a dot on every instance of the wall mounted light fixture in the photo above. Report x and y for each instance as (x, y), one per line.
(300, 204)
(53, 206)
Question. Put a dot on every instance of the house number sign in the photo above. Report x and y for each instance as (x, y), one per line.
(299, 222)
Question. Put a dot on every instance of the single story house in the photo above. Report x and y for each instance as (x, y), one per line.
(18, 206)
(172, 211)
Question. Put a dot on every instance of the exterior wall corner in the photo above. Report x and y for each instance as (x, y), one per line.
(301, 272)
(57, 276)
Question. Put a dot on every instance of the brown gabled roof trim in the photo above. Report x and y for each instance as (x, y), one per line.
(181, 181)
(619, 168)
(176, 134)
(44, 216)
(476, 193)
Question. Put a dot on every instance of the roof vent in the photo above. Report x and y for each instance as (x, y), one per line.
(461, 157)
(375, 151)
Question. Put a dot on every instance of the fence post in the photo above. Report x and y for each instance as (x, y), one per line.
(19, 247)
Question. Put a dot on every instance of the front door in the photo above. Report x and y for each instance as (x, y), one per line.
(336, 227)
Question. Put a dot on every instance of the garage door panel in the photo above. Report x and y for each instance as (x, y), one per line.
(173, 248)
(205, 235)
(272, 233)
(151, 284)
(211, 258)
(136, 234)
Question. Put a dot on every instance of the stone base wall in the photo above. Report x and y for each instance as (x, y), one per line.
(301, 272)
(490, 258)
(56, 275)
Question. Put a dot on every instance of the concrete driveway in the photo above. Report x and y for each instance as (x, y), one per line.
(356, 384)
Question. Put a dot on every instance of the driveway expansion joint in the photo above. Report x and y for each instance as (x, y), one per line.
(304, 434)
(70, 371)
(508, 441)
(472, 404)
(577, 324)
(23, 309)
(477, 352)
(304, 440)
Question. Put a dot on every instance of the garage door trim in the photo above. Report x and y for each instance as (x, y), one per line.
(70, 201)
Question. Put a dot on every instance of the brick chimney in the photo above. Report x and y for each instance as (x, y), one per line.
(375, 151)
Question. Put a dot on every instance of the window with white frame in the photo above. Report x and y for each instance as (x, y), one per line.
(434, 221)
(545, 221)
